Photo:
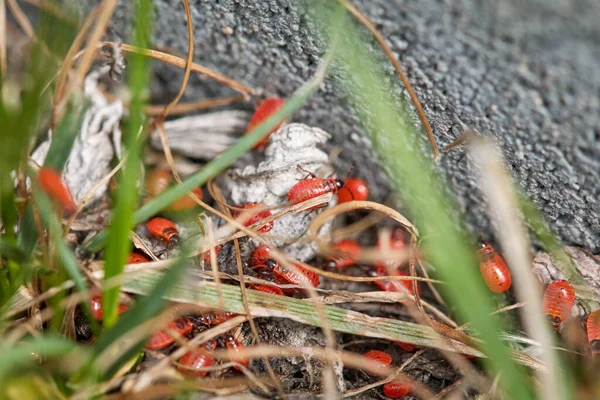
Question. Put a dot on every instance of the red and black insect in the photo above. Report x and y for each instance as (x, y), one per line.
(51, 182)
(266, 108)
(353, 189)
(312, 187)
(135, 258)
(185, 202)
(205, 257)
(162, 339)
(559, 298)
(284, 276)
(381, 358)
(158, 181)
(406, 346)
(267, 289)
(394, 286)
(260, 256)
(217, 318)
(397, 389)
(255, 217)
(349, 252)
(262, 264)
(192, 362)
(96, 307)
(593, 332)
(164, 229)
(234, 347)
(493, 269)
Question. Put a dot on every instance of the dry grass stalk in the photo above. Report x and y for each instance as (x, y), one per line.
(184, 108)
(181, 63)
(504, 208)
(59, 91)
(3, 60)
(105, 12)
(90, 194)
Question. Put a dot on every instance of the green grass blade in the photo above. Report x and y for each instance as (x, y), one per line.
(12, 252)
(126, 197)
(67, 258)
(18, 357)
(64, 136)
(414, 180)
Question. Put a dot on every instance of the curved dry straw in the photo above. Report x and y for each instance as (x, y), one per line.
(181, 63)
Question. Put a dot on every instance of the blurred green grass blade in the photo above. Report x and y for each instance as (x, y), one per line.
(142, 310)
(123, 359)
(12, 252)
(48, 346)
(126, 197)
(67, 258)
(414, 180)
(28, 234)
(19, 119)
(64, 136)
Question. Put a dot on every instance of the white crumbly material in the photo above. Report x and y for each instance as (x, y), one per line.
(292, 146)
(203, 136)
(96, 144)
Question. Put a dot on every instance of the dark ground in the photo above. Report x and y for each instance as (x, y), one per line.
(524, 72)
